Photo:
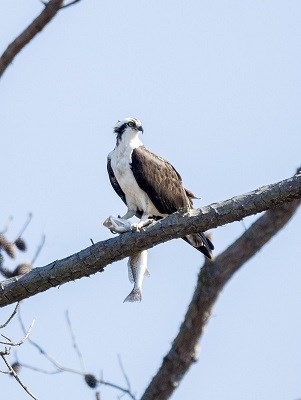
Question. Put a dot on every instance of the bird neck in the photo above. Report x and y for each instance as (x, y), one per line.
(129, 139)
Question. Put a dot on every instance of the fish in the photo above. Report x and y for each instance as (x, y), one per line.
(137, 263)
(117, 225)
(137, 270)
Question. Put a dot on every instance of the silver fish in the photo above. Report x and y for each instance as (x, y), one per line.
(137, 269)
(117, 225)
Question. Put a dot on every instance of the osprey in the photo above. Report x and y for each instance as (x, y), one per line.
(149, 185)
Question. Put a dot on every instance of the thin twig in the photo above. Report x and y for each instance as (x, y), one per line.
(124, 373)
(70, 4)
(11, 343)
(11, 317)
(6, 226)
(46, 355)
(44, 371)
(27, 222)
(4, 372)
(75, 346)
(61, 368)
(113, 385)
(39, 248)
(12, 372)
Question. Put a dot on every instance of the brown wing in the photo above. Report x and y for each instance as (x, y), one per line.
(159, 179)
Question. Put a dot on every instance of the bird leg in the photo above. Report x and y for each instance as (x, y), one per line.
(129, 214)
(144, 221)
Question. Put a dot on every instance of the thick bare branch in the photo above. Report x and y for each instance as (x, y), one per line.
(96, 257)
(212, 278)
(39, 23)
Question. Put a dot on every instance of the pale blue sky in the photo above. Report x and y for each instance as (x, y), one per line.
(217, 87)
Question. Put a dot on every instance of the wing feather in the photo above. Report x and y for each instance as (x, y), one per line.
(114, 182)
(159, 179)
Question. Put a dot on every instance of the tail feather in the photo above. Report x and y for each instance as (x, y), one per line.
(201, 242)
(206, 240)
(135, 295)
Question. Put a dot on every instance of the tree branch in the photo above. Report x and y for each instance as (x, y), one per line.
(90, 379)
(96, 257)
(11, 343)
(211, 280)
(11, 317)
(39, 23)
(12, 372)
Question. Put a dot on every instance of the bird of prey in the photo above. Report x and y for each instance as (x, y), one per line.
(149, 185)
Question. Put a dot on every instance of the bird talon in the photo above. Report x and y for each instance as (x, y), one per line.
(135, 228)
(131, 166)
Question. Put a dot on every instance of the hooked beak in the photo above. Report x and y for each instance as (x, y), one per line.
(140, 129)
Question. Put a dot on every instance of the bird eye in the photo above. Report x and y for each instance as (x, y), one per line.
(131, 124)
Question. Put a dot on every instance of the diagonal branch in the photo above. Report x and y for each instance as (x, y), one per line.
(39, 23)
(96, 257)
(12, 372)
(90, 379)
(70, 4)
(11, 317)
(212, 279)
(74, 343)
(11, 343)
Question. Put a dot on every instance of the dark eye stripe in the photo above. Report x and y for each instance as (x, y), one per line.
(120, 128)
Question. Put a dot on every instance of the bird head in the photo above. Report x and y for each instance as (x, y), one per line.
(129, 127)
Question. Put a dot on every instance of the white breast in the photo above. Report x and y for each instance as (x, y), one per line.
(136, 198)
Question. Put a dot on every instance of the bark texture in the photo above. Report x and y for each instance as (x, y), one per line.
(96, 257)
(39, 23)
(212, 278)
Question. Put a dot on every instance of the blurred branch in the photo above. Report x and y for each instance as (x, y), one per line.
(5, 229)
(75, 346)
(11, 317)
(211, 280)
(38, 24)
(90, 379)
(10, 248)
(39, 248)
(124, 373)
(27, 222)
(58, 367)
(3, 355)
(6, 351)
(96, 257)
(11, 343)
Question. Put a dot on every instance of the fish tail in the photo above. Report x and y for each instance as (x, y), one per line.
(135, 295)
